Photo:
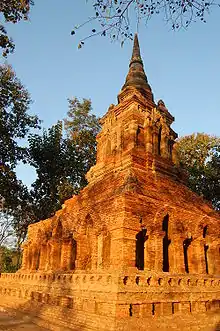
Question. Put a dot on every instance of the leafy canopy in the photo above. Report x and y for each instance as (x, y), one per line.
(199, 154)
(9, 259)
(48, 157)
(12, 11)
(62, 160)
(15, 124)
(82, 128)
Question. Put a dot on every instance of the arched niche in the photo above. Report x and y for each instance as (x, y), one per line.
(204, 251)
(85, 234)
(68, 251)
(34, 256)
(85, 243)
(55, 246)
(206, 232)
(162, 239)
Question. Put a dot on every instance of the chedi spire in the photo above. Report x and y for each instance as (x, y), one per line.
(136, 76)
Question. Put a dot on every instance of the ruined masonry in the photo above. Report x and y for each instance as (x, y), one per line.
(136, 249)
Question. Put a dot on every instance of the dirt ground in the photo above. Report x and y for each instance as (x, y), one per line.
(11, 321)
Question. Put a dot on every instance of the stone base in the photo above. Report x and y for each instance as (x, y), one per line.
(120, 301)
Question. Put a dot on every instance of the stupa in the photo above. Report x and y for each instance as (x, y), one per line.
(136, 249)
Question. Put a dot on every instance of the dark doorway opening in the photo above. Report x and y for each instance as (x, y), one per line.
(206, 247)
(38, 254)
(140, 240)
(74, 253)
(205, 230)
(166, 243)
(130, 310)
(186, 244)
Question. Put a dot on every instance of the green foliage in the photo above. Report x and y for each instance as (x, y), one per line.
(12, 11)
(9, 259)
(212, 182)
(82, 128)
(15, 124)
(62, 162)
(48, 155)
(80, 120)
(199, 154)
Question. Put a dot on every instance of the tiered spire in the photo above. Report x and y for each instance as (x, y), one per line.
(136, 76)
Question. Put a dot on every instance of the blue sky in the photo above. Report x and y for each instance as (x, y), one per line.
(183, 68)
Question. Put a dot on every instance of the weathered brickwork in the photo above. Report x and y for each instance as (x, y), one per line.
(136, 249)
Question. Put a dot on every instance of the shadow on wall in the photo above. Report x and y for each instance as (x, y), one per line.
(52, 304)
(49, 296)
(52, 296)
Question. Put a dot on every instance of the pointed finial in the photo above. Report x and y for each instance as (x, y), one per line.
(136, 54)
(136, 76)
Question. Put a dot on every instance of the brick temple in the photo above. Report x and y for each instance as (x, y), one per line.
(136, 249)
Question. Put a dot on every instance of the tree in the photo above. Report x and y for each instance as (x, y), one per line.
(9, 259)
(212, 180)
(12, 11)
(47, 154)
(6, 230)
(82, 128)
(199, 154)
(61, 162)
(114, 17)
(15, 123)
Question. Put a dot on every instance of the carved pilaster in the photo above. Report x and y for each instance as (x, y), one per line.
(149, 136)
(83, 260)
(176, 254)
(100, 251)
(35, 253)
(43, 256)
(67, 254)
(48, 257)
(155, 140)
(55, 254)
(106, 250)
(217, 259)
(25, 257)
(175, 158)
(212, 262)
(150, 253)
(158, 246)
(164, 142)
